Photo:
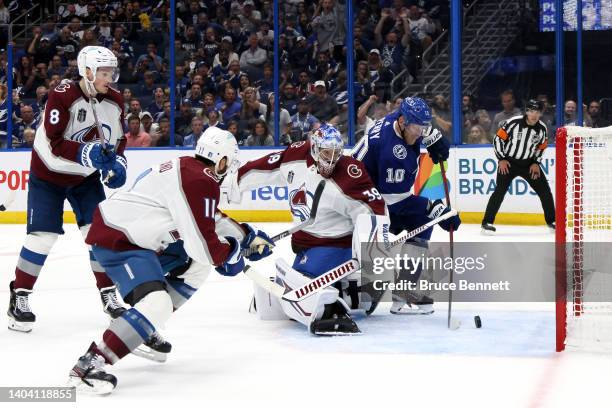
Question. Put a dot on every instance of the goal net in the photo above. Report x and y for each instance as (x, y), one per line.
(584, 238)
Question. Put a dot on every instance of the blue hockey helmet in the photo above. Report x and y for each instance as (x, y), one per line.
(415, 110)
(326, 146)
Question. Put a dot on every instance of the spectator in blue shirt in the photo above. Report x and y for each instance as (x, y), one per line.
(158, 101)
(197, 128)
(151, 59)
(302, 123)
(27, 121)
(228, 105)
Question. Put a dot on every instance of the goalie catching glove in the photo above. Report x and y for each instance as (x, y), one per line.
(259, 241)
(436, 209)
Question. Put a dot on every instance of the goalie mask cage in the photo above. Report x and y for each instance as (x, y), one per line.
(583, 238)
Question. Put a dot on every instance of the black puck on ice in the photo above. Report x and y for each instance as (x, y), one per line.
(477, 322)
(2, 207)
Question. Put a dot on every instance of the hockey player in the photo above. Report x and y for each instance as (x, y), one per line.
(390, 153)
(326, 243)
(175, 200)
(68, 162)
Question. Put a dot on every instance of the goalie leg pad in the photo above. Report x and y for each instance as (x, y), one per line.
(309, 309)
(370, 229)
(266, 305)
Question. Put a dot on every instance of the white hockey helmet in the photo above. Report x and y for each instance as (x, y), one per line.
(214, 145)
(94, 57)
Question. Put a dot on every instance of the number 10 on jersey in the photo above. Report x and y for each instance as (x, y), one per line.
(395, 175)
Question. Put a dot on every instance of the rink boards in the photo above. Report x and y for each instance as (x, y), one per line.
(471, 173)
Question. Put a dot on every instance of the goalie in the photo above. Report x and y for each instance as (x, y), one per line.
(328, 241)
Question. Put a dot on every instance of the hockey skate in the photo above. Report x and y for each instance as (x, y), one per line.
(20, 315)
(88, 374)
(422, 305)
(335, 321)
(487, 229)
(154, 349)
(110, 303)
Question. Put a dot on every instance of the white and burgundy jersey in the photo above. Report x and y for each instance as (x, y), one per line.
(170, 201)
(349, 192)
(67, 123)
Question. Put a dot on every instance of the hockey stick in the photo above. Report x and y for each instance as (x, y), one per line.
(313, 213)
(333, 275)
(310, 288)
(405, 236)
(450, 322)
(8, 199)
(110, 173)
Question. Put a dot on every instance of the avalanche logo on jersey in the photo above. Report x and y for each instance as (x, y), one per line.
(298, 202)
(354, 171)
(90, 133)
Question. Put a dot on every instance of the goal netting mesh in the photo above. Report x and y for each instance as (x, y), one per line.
(584, 238)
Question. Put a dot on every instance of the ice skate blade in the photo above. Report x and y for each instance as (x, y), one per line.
(336, 334)
(23, 327)
(150, 354)
(487, 232)
(411, 312)
(97, 387)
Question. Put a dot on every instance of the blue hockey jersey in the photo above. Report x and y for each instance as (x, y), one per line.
(391, 163)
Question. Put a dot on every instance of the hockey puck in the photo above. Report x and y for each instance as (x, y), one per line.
(477, 322)
(2, 207)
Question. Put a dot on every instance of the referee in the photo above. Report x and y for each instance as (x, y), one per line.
(519, 144)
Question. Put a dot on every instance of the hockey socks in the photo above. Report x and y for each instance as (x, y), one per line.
(32, 258)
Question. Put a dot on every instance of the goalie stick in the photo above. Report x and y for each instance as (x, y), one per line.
(313, 213)
(333, 275)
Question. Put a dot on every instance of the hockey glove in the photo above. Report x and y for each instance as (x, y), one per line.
(95, 156)
(437, 208)
(119, 174)
(234, 264)
(258, 240)
(436, 145)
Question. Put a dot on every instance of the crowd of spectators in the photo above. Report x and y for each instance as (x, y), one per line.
(479, 127)
(224, 72)
(224, 63)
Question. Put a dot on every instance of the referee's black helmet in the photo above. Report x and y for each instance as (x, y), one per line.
(535, 105)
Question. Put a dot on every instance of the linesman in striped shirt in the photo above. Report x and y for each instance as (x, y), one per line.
(519, 145)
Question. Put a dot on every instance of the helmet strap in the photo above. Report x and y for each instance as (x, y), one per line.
(89, 85)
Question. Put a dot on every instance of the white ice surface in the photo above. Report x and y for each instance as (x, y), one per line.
(225, 356)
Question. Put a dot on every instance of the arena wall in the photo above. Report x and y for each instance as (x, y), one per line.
(471, 171)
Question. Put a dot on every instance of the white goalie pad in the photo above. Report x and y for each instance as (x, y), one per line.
(309, 309)
(267, 306)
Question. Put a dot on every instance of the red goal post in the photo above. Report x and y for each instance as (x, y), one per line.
(583, 185)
